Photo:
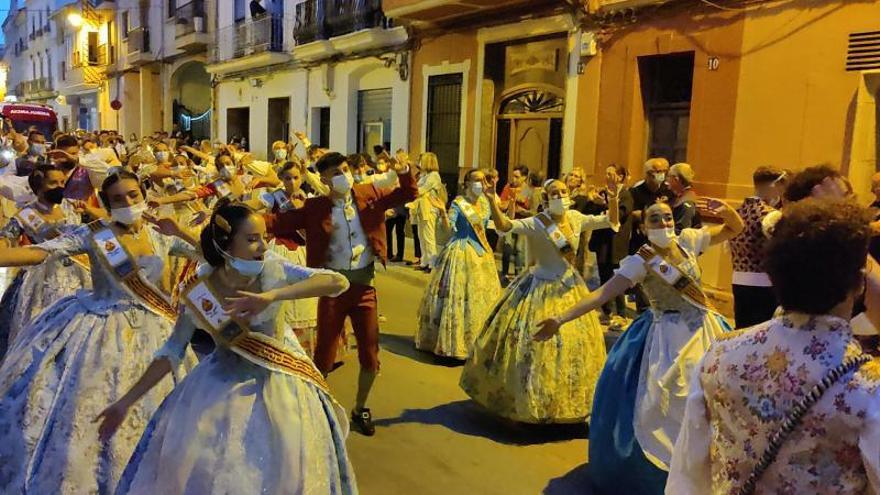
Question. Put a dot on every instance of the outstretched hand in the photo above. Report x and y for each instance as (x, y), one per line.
(163, 225)
(247, 304)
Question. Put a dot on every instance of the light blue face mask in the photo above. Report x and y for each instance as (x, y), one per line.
(247, 268)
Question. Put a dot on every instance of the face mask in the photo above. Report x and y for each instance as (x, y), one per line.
(358, 178)
(162, 156)
(477, 188)
(659, 178)
(662, 237)
(54, 196)
(247, 268)
(38, 149)
(280, 154)
(225, 174)
(342, 183)
(558, 206)
(128, 215)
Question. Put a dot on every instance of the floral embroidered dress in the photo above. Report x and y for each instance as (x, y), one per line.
(462, 289)
(745, 387)
(518, 378)
(80, 355)
(37, 287)
(235, 427)
(641, 394)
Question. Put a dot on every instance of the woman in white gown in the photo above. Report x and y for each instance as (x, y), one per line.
(509, 373)
(242, 421)
(39, 286)
(85, 350)
(301, 314)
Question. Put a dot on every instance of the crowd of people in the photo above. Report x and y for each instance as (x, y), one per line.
(176, 308)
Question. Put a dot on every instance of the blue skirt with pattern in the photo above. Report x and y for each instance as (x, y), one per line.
(616, 462)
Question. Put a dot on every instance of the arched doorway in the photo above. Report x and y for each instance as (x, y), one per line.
(191, 99)
(529, 130)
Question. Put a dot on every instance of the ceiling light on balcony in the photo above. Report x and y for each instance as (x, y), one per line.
(75, 19)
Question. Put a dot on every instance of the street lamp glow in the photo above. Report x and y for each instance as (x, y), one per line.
(75, 19)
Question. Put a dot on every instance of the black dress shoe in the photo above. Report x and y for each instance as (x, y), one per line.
(397, 259)
(363, 420)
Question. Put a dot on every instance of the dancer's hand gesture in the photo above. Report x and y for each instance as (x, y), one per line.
(111, 418)
(547, 329)
(247, 304)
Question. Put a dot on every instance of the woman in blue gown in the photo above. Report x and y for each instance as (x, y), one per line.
(641, 393)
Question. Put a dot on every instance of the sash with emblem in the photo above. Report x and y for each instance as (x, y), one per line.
(233, 333)
(474, 220)
(34, 223)
(117, 260)
(677, 278)
(221, 188)
(560, 236)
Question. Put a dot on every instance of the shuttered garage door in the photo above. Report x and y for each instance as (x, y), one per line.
(374, 106)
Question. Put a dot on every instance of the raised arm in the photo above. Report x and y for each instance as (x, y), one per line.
(611, 289)
(286, 224)
(732, 223)
(402, 194)
(501, 221)
(22, 256)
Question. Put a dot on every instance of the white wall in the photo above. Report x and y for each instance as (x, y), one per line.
(306, 90)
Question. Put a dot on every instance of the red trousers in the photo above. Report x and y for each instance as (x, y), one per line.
(359, 304)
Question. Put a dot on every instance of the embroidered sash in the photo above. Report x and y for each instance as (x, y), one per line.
(560, 236)
(233, 333)
(221, 188)
(117, 260)
(676, 278)
(31, 220)
(474, 220)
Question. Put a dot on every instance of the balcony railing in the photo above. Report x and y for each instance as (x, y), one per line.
(90, 56)
(323, 19)
(191, 18)
(33, 87)
(139, 40)
(248, 38)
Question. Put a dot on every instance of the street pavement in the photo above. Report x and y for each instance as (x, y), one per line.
(430, 439)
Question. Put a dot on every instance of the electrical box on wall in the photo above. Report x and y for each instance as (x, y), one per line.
(588, 46)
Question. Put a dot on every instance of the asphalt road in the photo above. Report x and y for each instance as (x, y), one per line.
(430, 438)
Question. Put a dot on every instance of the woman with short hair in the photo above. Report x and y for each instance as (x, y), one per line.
(791, 405)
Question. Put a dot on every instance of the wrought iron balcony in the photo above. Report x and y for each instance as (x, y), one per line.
(34, 89)
(265, 34)
(324, 19)
(191, 18)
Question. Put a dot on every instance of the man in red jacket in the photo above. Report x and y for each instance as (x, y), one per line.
(345, 232)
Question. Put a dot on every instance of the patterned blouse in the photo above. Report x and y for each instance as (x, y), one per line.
(748, 383)
(748, 246)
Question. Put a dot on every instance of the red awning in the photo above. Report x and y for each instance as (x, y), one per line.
(28, 113)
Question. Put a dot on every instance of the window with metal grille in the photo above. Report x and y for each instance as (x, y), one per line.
(667, 82)
(444, 124)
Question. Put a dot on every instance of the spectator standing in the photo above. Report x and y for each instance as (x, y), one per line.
(645, 193)
(753, 298)
(611, 247)
(684, 201)
(516, 203)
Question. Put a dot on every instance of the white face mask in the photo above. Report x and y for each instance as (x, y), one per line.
(476, 188)
(558, 206)
(280, 154)
(162, 156)
(662, 237)
(128, 215)
(659, 178)
(342, 183)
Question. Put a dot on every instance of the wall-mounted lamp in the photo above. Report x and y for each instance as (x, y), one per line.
(74, 19)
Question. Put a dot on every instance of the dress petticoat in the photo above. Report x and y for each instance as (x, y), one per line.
(77, 357)
(232, 426)
(457, 300)
(524, 380)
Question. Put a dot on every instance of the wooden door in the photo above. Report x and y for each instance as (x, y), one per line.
(530, 144)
